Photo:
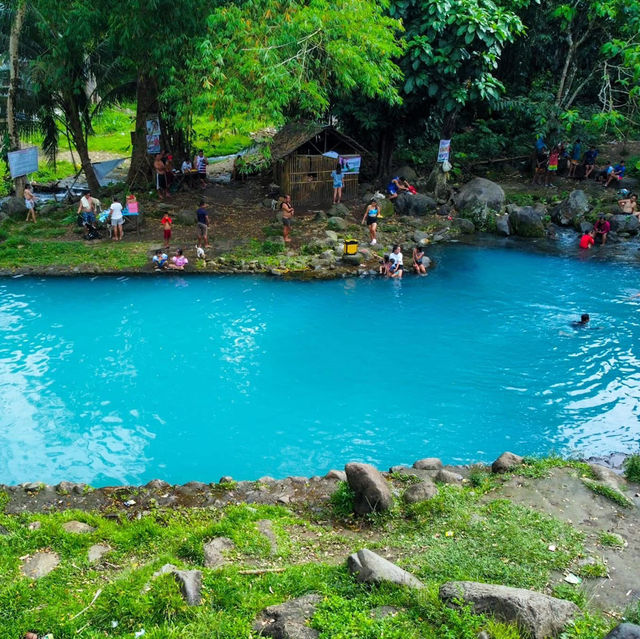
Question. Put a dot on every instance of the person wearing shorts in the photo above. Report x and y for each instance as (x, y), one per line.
(115, 211)
(203, 225)
(371, 218)
(576, 153)
(337, 184)
(397, 266)
(161, 176)
(166, 223)
(30, 203)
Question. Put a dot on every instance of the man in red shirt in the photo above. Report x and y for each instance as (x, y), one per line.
(602, 228)
(587, 241)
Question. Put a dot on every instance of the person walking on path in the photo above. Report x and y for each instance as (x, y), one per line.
(115, 211)
(200, 164)
(371, 218)
(202, 218)
(30, 203)
(337, 184)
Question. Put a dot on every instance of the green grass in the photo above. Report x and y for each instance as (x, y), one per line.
(611, 539)
(632, 468)
(48, 173)
(537, 467)
(607, 491)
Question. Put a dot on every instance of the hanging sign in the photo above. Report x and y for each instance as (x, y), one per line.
(350, 163)
(443, 150)
(23, 162)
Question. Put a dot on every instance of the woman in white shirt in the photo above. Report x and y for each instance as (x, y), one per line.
(395, 257)
(115, 211)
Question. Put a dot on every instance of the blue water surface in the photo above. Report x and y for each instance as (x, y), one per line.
(121, 380)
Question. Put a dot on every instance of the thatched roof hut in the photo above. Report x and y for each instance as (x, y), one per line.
(304, 154)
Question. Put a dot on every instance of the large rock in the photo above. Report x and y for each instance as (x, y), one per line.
(372, 492)
(506, 462)
(12, 207)
(624, 224)
(428, 463)
(575, 206)
(480, 193)
(423, 491)
(78, 527)
(540, 615)
(214, 552)
(415, 205)
(190, 582)
(289, 620)
(502, 225)
(448, 477)
(352, 260)
(338, 210)
(96, 552)
(526, 222)
(336, 223)
(406, 172)
(372, 569)
(39, 564)
(466, 226)
(625, 631)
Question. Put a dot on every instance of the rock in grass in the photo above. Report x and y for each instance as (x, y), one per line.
(190, 582)
(506, 462)
(289, 620)
(39, 565)
(448, 477)
(78, 527)
(428, 463)
(265, 527)
(625, 631)
(213, 552)
(372, 569)
(338, 210)
(372, 492)
(96, 552)
(539, 615)
(336, 223)
(423, 491)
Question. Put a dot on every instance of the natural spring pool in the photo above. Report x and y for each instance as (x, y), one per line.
(121, 380)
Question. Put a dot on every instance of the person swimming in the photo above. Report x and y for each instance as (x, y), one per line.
(584, 320)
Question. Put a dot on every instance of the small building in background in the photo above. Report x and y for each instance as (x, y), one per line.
(304, 154)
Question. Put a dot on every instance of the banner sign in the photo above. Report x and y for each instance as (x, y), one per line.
(153, 135)
(443, 150)
(23, 162)
(350, 163)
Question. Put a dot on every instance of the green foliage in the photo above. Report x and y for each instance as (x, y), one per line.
(541, 466)
(632, 468)
(593, 570)
(5, 179)
(607, 491)
(570, 593)
(611, 539)
(588, 626)
(342, 500)
(49, 173)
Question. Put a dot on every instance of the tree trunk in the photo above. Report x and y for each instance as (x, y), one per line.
(386, 145)
(14, 81)
(140, 174)
(437, 180)
(80, 142)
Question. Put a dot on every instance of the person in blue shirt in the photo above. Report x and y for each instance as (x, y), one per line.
(590, 158)
(337, 184)
(576, 154)
(540, 144)
(617, 173)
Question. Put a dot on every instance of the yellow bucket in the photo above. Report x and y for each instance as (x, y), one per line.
(350, 247)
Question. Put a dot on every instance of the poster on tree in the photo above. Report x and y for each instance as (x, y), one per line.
(153, 135)
(443, 150)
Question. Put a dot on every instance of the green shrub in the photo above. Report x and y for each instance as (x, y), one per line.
(570, 593)
(342, 500)
(612, 540)
(632, 468)
(311, 249)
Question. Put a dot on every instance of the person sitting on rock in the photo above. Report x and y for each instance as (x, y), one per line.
(587, 241)
(396, 186)
(385, 265)
(628, 202)
(590, 161)
(412, 189)
(617, 174)
(602, 228)
(418, 260)
(395, 257)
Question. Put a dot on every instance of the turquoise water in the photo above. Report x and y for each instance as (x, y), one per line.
(121, 380)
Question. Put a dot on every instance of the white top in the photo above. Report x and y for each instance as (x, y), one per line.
(186, 166)
(116, 210)
(86, 205)
(396, 258)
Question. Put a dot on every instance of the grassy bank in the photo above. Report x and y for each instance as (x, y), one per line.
(466, 532)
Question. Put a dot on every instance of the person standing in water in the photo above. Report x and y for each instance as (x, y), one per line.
(371, 218)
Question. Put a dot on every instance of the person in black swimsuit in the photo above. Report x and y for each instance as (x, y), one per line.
(418, 259)
(371, 218)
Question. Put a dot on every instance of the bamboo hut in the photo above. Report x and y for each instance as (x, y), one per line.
(304, 155)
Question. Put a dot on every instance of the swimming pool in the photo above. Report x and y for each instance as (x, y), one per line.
(121, 380)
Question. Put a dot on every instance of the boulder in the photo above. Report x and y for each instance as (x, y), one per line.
(336, 223)
(624, 224)
(448, 477)
(213, 552)
(371, 490)
(444, 210)
(406, 172)
(331, 235)
(78, 527)
(420, 236)
(265, 527)
(506, 462)
(352, 260)
(39, 564)
(415, 205)
(625, 631)
(526, 222)
(576, 205)
(540, 615)
(190, 582)
(340, 475)
(480, 193)
(96, 552)
(466, 226)
(289, 620)
(320, 216)
(428, 463)
(585, 227)
(12, 207)
(372, 569)
(423, 491)
(338, 210)
(502, 225)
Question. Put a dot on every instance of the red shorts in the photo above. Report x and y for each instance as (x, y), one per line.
(167, 234)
